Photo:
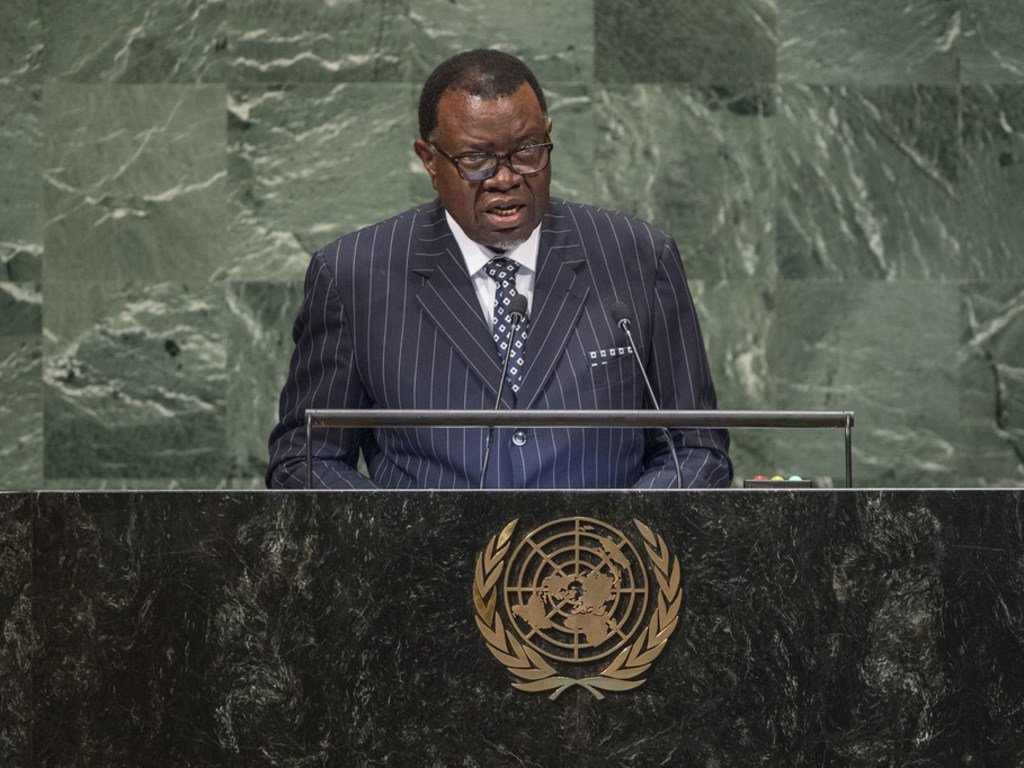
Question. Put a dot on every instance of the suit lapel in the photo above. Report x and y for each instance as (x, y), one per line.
(449, 301)
(558, 297)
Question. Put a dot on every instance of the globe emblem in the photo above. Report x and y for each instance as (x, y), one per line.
(575, 589)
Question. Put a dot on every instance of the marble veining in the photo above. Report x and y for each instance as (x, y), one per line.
(134, 182)
(21, 44)
(156, 41)
(698, 162)
(878, 169)
(836, 628)
(259, 317)
(314, 41)
(706, 41)
(21, 409)
(992, 175)
(17, 635)
(990, 49)
(993, 382)
(139, 392)
(866, 43)
(306, 165)
(852, 355)
(21, 198)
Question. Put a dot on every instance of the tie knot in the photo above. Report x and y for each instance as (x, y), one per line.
(502, 269)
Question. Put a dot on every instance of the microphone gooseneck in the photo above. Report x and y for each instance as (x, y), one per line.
(516, 314)
(516, 311)
(620, 314)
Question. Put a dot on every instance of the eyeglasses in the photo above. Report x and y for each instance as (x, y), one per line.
(477, 166)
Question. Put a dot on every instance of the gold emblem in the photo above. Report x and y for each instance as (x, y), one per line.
(575, 591)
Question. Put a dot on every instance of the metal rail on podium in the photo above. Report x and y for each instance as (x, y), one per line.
(642, 419)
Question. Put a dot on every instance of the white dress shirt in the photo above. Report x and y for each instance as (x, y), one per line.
(476, 257)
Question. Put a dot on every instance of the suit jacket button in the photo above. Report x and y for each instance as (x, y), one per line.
(519, 437)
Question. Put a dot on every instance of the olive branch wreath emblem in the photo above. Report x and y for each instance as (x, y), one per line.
(624, 672)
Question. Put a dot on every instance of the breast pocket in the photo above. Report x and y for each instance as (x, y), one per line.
(609, 367)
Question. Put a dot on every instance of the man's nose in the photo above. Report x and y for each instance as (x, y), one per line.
(504, 177)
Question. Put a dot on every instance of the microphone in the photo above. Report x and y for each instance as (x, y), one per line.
(620, 314)
(516, 315)
(516, 311)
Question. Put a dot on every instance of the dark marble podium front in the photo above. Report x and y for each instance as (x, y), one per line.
(818, 628)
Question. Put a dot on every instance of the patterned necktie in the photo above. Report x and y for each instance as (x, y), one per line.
(503, 272)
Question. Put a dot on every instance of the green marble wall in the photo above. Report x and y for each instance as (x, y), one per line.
(845, 179)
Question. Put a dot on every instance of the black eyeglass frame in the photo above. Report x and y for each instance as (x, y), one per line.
(505, 158)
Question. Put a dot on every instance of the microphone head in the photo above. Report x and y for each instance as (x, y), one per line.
(620, 314)
(517, 305)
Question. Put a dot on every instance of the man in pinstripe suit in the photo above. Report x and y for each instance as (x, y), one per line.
(402, 315)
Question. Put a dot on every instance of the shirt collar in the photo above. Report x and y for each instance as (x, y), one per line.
(476, 256)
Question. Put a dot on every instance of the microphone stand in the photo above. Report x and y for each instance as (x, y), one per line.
(515, 317)
(623, 322)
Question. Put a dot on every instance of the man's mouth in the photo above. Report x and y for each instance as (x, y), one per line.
(505, 215)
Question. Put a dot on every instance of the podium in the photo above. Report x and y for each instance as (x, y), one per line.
(821, 627)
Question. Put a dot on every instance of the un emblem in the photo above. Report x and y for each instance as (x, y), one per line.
(576, 591)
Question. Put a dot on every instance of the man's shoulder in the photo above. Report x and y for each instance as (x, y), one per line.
(591, 218)
(364, 239)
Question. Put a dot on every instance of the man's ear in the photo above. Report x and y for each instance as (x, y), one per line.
(428, 157)
(548, 127)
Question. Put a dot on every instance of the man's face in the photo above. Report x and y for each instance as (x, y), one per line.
(503, 210)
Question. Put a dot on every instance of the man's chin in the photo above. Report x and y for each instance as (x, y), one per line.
(504, 246)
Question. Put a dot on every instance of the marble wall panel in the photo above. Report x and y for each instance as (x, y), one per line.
(694, 41)
(896, 686)
(556, 38)
(259, 321)
(867, 183)
(17, 638)
(21, 405)
(991, 49)
(574, 132)
(988, 540)
(401, 40)
(135, 379)
(309, 163)
(94, 41)
(992, 381)
(864, 42)
(123, 585)
(991, 183)
(20, 42)
(134, 182)
(736, 318)
(696, 162)
(21, 195)
(319, 41)
(887, 351)
(891, 151)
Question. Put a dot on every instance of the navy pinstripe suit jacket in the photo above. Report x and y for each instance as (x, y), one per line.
(390, 320)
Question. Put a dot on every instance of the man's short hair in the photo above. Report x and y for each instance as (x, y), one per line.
(480, 72)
